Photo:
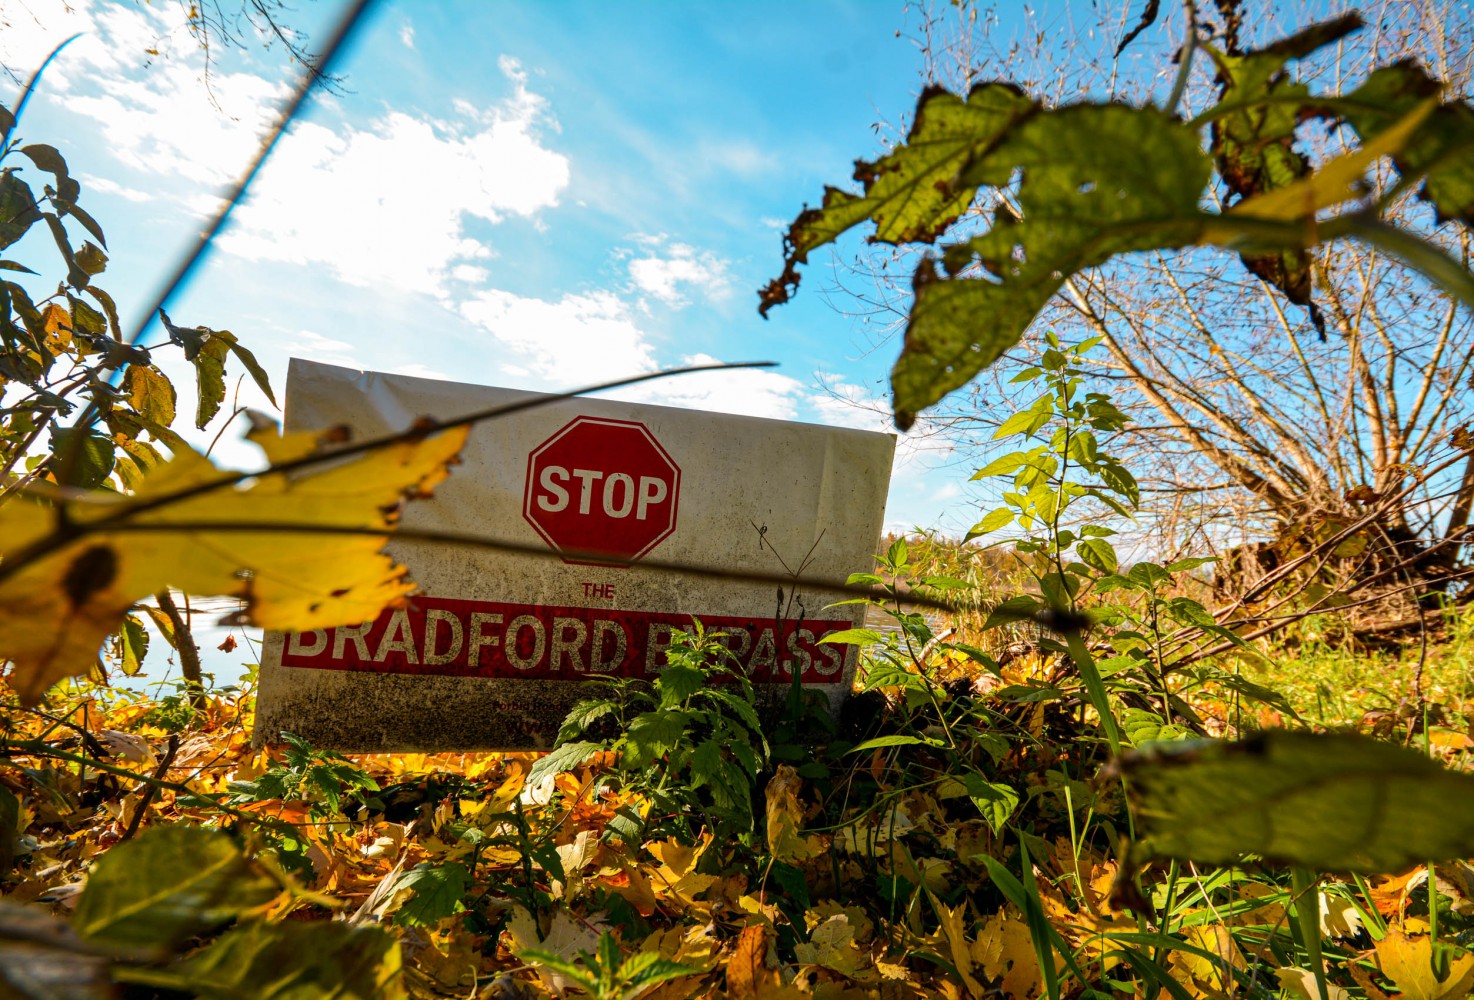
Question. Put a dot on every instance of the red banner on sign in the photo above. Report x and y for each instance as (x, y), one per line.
(436, 635)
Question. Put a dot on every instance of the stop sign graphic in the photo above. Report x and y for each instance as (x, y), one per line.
(601, 487)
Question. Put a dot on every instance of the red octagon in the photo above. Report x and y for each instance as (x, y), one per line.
(601, 487)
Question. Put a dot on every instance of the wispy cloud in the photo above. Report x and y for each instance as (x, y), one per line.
(574, 340)
(388, 205)
(668, 272)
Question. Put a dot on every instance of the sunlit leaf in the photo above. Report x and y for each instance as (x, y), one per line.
(1097, 180)
(1408, 962)
(914, 192)
(1442, 153)
(150, 393)
(563, 758)
(133, 645)
(438, 891)
(66, 584)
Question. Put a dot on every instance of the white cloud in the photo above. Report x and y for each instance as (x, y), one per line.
(141, 79)
(751, 392)
(387, 205)
(574, 341)
(844, 404)
(470, 274)
(662, 276)
(418, 370)
(315, 347)
(383, 204)
(104, 186)
(407, 35)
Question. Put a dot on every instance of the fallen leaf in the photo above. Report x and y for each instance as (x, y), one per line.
(1408, 962)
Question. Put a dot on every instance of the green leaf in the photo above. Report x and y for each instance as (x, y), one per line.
(996, 801)
(133, 644)
(894, 741)
(914, 192)
(168, 885)
(1329, 802)
(1097, 553)
(207, 349)
(583, 715)
(18, 210)
(678, 682)
(564, 757)
(1441, 151)
(1005, 466)
(258, 374)
(438, 893)
(652, 734)
(91, 259)
(324, 960)
(646, 968)
(1000, 518)
(1023, 422)
(1253, 140)
(84, 461)
(895, 553)
(853, 637)
(1097, 180)
(1183, 565)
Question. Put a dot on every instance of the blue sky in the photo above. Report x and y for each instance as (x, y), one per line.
(531, 195)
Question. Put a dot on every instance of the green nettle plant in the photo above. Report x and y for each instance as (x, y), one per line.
(960, 737)
(1060, 480)
(608, 975)
(691, 743)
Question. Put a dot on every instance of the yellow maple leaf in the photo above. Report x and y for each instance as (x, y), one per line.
(73, 566)
(1408, 962)
(1004, 950)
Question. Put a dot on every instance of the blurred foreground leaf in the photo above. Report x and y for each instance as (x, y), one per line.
(1332, 802)
(151, 894)
(41, 958)
(289, 961)
(72, 567)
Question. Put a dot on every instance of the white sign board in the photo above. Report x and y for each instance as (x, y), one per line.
(490, 653)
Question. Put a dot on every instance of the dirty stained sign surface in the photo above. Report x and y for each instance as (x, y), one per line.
(490, 653)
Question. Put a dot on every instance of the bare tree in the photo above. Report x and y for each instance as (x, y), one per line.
(1310, 433)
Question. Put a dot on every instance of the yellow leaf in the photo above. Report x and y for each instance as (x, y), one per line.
(954, 931)
(72, 569)
(785, 818)
(832, 944)
(750, 976)
(1005, 951)
(1300, 984)
(1337, 180)
(1408, 962)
